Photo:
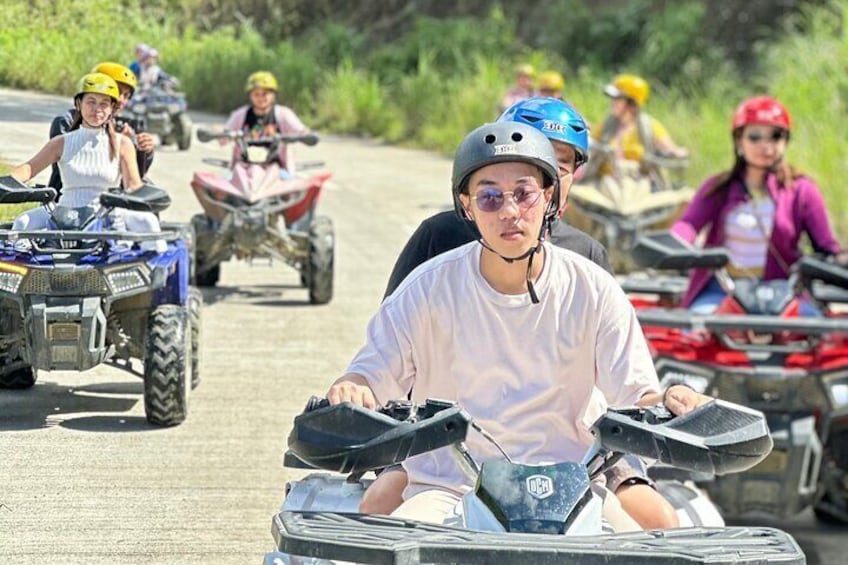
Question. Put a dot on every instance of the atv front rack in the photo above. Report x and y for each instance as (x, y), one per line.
(812, 328)
(382, 540)
(14, 235)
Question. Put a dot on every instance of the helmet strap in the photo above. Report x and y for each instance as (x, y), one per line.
(546, 224)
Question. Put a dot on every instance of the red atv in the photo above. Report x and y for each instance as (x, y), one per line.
(758, 350)
(255, 212)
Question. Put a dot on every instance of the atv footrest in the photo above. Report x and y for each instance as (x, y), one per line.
(392, 541)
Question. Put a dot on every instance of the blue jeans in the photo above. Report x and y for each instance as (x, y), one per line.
(709, 299)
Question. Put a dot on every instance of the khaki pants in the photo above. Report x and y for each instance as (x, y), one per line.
(439, 507)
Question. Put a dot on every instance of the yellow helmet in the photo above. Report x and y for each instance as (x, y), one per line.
(118, 72)
(98, 83)
(526, 70)
(630, 86)
(551, 80)
(261, 79)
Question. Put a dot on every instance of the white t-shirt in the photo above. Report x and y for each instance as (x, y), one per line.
(526, 372)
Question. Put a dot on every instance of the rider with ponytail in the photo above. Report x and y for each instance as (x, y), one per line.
(759, 209)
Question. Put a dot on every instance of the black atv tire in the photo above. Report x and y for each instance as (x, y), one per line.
(200, 275)
(195, 310)
(319, 268)
(824, 516)
(22, 378)
(182, 131)
(167, 365)
(208, 278)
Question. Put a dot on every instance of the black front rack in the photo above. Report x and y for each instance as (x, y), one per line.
(40, 238)
(383, 540)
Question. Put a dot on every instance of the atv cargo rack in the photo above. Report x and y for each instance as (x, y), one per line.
(382, 540)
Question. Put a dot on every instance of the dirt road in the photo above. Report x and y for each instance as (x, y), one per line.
(84, 478)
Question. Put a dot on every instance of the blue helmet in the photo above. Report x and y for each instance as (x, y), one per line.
(557, 120)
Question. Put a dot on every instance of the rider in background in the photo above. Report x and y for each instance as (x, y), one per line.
(550, 85)
(140, 50)
(92, 158)
(151, 74)
(522, 89)
(628, 133)
(759, 209)
(264, 117)
(127, 84)
(487, 326)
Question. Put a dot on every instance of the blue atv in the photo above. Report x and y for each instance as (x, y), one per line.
(162, 110)
(79, 295)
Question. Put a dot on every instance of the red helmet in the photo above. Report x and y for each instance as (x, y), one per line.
(761, 110)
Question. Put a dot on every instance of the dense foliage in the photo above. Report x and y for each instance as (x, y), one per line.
(424, 72)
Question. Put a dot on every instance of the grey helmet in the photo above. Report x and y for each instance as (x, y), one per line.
(504, 142)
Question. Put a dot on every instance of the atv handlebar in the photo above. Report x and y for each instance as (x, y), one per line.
(206, 135)
(829, 272)
(665, 250)
(13, 191)
(348, 438)
(148, 198)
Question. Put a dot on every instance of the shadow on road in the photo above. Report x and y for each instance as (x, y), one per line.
(111, 424)
(50, 404)
(259, 295)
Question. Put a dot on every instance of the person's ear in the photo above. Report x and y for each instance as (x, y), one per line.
(465, 204)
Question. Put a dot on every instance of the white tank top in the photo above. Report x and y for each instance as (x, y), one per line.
(86, 168)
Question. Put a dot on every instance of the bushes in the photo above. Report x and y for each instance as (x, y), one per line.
(446, 76)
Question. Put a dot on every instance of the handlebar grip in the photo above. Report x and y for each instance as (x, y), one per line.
(314, 403)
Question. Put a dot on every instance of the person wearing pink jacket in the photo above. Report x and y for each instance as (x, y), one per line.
(759, 209)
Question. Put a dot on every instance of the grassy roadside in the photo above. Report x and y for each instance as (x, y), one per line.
(430, 88)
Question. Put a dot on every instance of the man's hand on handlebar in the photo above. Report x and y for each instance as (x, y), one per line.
(678, 399)
(352, 388)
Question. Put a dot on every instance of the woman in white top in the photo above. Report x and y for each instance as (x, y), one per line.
(92, 159)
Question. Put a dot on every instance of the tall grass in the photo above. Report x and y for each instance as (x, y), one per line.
(809, 74)
(445, 77)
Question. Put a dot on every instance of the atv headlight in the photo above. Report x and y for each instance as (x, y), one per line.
(10, 282)
(11, 276)
(124, 280)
